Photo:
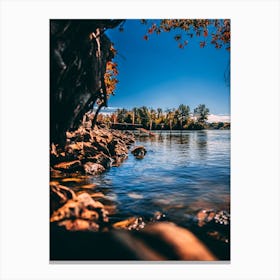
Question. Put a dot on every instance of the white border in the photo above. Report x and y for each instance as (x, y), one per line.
(24, 138)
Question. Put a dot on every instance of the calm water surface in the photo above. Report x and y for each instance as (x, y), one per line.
(181, 173)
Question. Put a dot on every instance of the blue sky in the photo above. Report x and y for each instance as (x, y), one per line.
(156, 73)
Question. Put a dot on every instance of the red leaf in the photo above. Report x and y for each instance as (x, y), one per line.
(205, 33)
(202, 44)
(146, 37)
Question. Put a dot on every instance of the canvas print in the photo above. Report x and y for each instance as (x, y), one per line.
(139, 140)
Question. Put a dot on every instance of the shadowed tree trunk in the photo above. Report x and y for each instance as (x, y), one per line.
(79, 51)
(96, 114)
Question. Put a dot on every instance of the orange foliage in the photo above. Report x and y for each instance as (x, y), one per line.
(218, 30)
(110, 76)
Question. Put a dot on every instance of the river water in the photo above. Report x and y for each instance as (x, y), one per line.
(181, 173)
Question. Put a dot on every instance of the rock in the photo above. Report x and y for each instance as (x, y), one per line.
(93, 168)
(88, 186)
(70, 166)
(56, 173)
(59, 195)
(218, 236)
(71, 179)
(102, 147)
(205, 216)
(222, 218)
(118, 160)
(70, 135)
(126, 137)
(57, 155)
(79, 135)
(157, 242)
(133, 223)
(215, 224)
(118, 148)
(158, 216)
(102, 159)
(89, 149)
(139, 152)
(53, 150)
(81, 207)
(108, 137)
(97, 195)
(111, 209)
(74, 148)
(79, 225)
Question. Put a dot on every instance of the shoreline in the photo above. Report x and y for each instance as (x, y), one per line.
(89, 153)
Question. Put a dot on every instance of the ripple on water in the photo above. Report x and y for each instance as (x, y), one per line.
(135, 195)
(179, 174)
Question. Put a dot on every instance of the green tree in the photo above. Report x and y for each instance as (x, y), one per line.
(201, 113)
(184, 114)
(128, 118)
(121, 115)
(159, 113)
(152, 118)
(137, 118)
(159, 121)
(170, 117)
(77, 72)
(144, 116)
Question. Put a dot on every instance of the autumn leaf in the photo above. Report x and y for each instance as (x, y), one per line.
(113, 50)
(178, 37)
(110, 77)
(220, 30)
(146, 37)
(202, 44)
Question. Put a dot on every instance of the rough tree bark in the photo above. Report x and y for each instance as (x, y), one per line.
(79, 51)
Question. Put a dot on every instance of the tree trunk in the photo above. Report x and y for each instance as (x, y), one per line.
(96, 114)
(79, 51)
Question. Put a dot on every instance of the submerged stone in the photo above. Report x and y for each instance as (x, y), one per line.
(139, 152)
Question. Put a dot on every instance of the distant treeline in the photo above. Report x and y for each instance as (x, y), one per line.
(171, 119)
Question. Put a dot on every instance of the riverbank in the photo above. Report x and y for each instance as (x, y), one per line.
(76, 210)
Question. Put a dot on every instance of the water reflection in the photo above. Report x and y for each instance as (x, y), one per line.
(201, 144)
(181, 173)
